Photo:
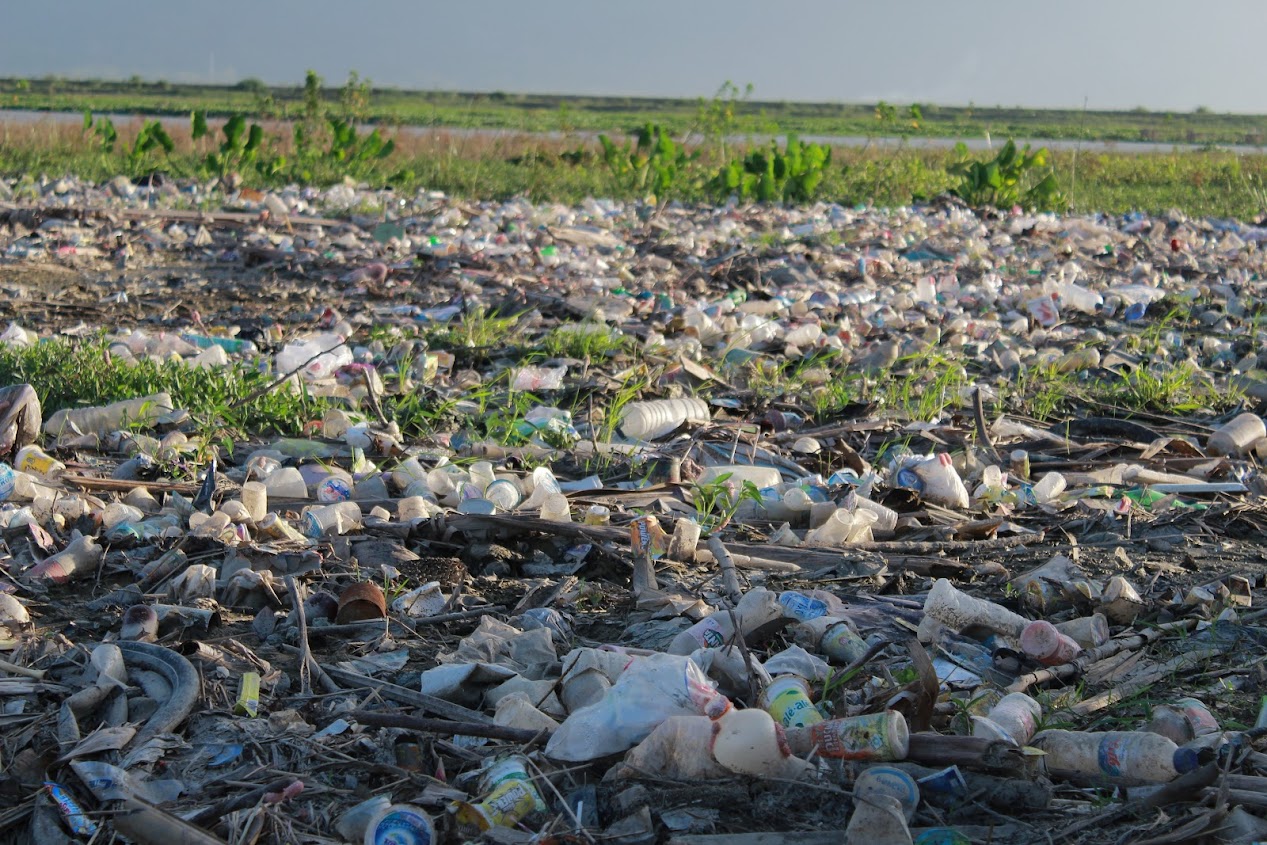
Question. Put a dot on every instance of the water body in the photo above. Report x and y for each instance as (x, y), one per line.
(915, 142)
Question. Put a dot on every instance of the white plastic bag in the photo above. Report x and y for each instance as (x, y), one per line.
(650, 691)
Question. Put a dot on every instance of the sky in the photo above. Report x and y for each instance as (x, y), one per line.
(1111, 54)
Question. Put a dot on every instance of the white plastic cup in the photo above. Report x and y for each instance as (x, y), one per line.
(555, 508)
(255, 498)
(286, 483)
(411, 508)
(1236, 436)
(502, 493)
(886, 780)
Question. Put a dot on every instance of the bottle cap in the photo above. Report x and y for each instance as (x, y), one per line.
(1185, 760)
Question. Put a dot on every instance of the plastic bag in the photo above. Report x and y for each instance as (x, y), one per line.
(650, 691)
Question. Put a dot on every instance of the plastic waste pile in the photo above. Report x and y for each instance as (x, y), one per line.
(647, 578)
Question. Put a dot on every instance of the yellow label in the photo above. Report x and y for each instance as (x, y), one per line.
(248, 703)
(792, 709)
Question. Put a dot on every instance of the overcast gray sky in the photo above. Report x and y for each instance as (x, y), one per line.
(1161, 54)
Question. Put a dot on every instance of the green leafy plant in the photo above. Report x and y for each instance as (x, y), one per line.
(1012, 177)
(650, 162)
(103, 128)
(240, 146)
(349, 149)
(717, 501)
(791, 175)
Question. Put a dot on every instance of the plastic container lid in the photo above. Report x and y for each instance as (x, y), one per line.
(400, 824)
(1186, 760)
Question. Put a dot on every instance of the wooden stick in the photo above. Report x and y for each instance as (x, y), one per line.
(37, 674)
(305, 650)
(1084, 661)
(428, 703)
(446, 727)
(729, 578)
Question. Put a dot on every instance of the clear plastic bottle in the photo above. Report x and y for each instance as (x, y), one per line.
(801, 607)
(758, 607)
(107, 418)
(656, 418)
(1116, 755)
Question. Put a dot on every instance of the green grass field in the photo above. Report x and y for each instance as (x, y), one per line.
(561, 113)
(567, 165)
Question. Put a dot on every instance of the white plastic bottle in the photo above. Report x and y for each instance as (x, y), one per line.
(658, 417)
(748, 742)
(758, 607)
(1116, 755)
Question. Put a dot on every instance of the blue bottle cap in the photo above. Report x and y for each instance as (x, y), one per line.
(1185, 760)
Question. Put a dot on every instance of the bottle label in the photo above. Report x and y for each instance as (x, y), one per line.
(802, 607)
(858, 738)
(1114, 755)
(791, 708)
(707, 632)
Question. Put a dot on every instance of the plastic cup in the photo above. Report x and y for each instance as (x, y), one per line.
(255, 498)
(886, 780)
(787, 700)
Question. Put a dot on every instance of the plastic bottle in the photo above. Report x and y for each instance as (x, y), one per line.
(1013, 719)
(80, 558)
(315, 357)
(737, 474)
(801, 607)
(35, 461)
(1185, 720)
(1087, 631)
(1116, 755)
(1041, 641)
(959, 611)
(833, 638)
(1236, 436)
(657, 418)
(748, 742)
(758, 607)
(876, 736)
(107, 418)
